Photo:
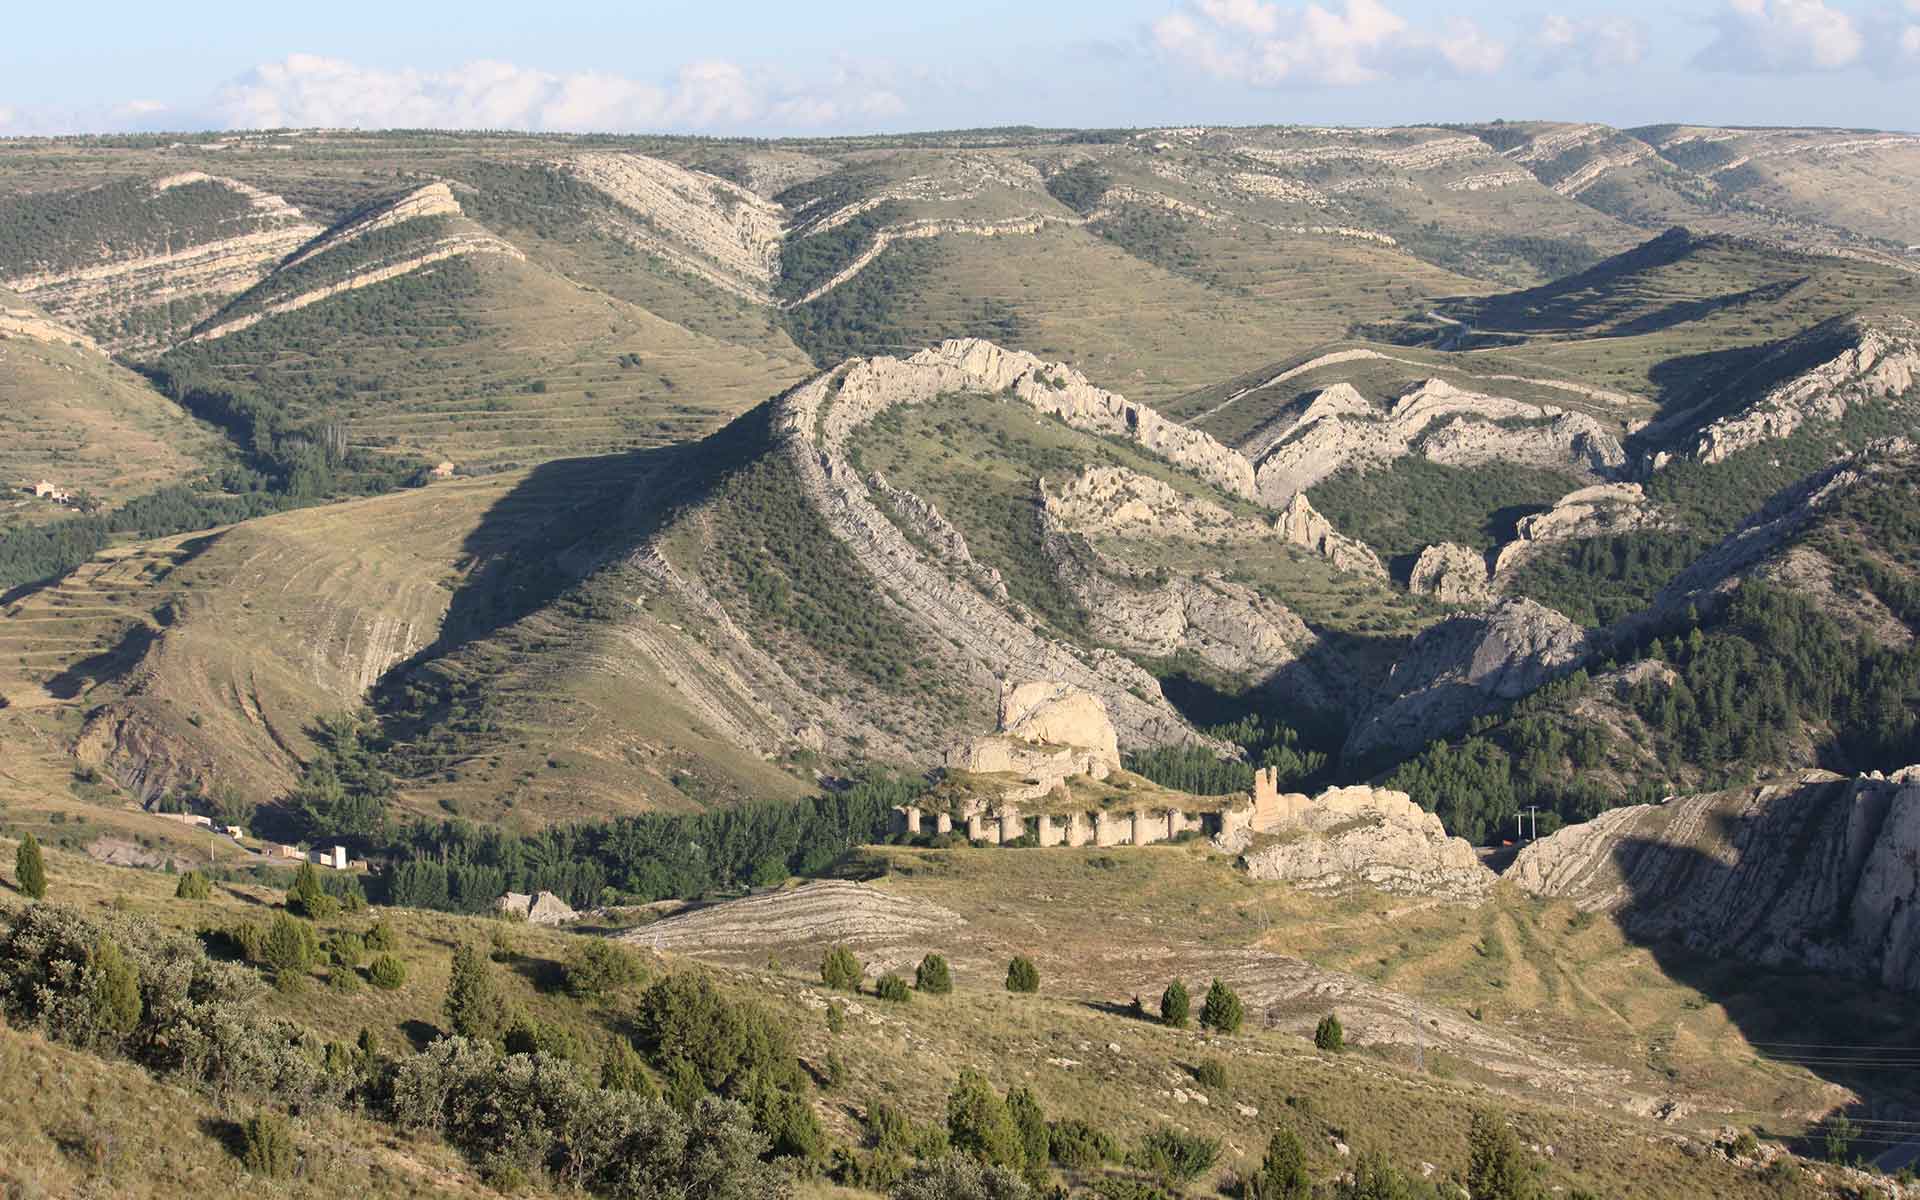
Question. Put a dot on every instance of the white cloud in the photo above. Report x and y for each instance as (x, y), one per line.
(306, 90)
(1590, 44)
(1781, 37)
(1268, 45)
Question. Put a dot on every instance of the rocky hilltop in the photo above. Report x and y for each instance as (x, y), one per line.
(1367, 837)
(1817, 873)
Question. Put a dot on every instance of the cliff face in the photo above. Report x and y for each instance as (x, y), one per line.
(1368, 837)
(1466, 666)
(1822, 873)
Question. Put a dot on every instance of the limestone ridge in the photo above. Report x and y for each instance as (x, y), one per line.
(1301, 525)
(814, 423)
(1047, 733)
(1362, 836)
(1820, 873)
(336, 245)
(1338, 427)
(1876, 362)
(1598, 511)
(1466, 666)
(1766, 533)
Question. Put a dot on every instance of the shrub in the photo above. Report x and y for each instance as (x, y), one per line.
(1022, 975)
(1495, 1169)
(598, 968)
(381, 938)
(836, 1016)
(1222, 1011)
(1175, 1005)
(1329, 1036)
(840, 970)
(932, 976)
(116, 990)
(29, 869)
(1176, 1157)
(387, 972)
(290, 946)
(1374, 1178)
(979, 1123)
(892, 987)
(623, 1071)
(1079, 1146)
(267, 1146)
(960, 1178)
(346, 950)
(307, 897)
(1745, 1145)
(192, 886)
(1283, 1172)
(1035, 1138)
(471, 1005)
(1211, 1073)
(836, 1075)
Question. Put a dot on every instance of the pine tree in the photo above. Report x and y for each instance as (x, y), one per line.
(1283, 1173)
(192, 886)
(307, 897)
(29, 869)
(841, 971)
(1024, 1107)
(1495, 1170)
(1022, 975)
(932, 976)
(116, 989)
(1175, 1005)
(1222, 1011)
(1329, 1036)
(472, 1009)
(980, 1125)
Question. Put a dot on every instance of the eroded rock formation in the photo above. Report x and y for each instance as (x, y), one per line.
(1301, 525)
(1452, 574)
(1365, 837)
(1465, 666)
(1604, 509)
(1822, 873)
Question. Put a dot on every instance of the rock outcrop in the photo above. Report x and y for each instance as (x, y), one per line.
(1466, 666)
(542, 909)
(1301, 525)
(1367, 837)
(1604, 509)
(1116, 500)
(1338, 428)
(832, 910)
(1047, 732)
(1876, 363)
(1822, 873)
(1452, 574)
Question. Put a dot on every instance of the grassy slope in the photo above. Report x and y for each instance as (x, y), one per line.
(1083, 1061)
(75, 418)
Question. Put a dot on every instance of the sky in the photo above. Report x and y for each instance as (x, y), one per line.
(855, 66)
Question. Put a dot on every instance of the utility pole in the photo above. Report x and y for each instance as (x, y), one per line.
(1533, 811)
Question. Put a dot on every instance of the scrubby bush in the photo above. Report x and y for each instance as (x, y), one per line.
(1496, 1169)
(960, 1178)
(1175, 1005)
(1079, 1146)
(840, 970)
(116, 990)
(289, 947)
(308, 898)
(387, 972)
(893, 988)
(1022, 976)
(346, 950)
(624, 1071)
(1283, 1172)
(1210, 1073)
(1222, 1012)
(1375, 1178)
(836, 1016)
(1175, 1156)
(1035, 1138)
(932, 976)
(598, 968)
(192, 886)
(380, 938)
(979, 1123)
(1329, 1036)
(267, 1146)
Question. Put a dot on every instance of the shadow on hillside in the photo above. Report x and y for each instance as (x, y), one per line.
(79, 677)
(1841, 1029)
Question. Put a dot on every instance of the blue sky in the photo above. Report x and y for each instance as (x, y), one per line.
(786, 68)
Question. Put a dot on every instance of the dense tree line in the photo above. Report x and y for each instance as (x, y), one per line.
(1765, 671)
(463, 867)
(1196, 769)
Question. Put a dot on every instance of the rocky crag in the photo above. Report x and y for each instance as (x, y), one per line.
(1364, 837)
(1337, 428)
(1466, 666)
(1819, 873)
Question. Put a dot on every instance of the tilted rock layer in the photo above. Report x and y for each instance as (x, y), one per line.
(1362, 836)
(1822, 874)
